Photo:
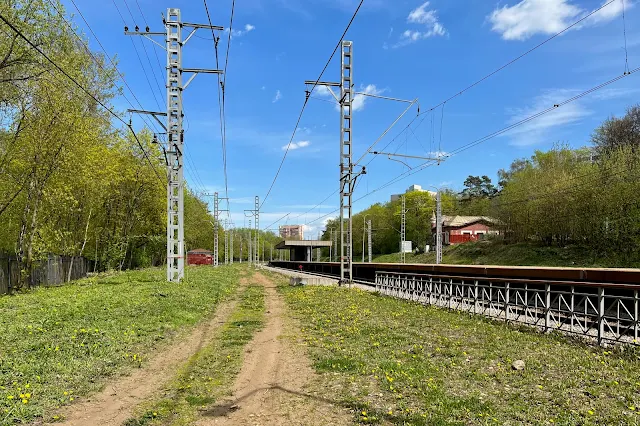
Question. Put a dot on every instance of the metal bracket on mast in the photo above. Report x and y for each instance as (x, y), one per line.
(174, 116)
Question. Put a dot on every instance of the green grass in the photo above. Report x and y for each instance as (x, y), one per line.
(210, 373)
(519, 254)
(403, 363)
(58, 344)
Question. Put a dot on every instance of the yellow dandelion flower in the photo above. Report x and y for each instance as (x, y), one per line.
(24, 401)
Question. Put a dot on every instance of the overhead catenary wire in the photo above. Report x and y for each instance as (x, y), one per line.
(221, 100)
(144, 47)
(491, 136)
(81, 87)
(502, 67)
(150, 123)
(155, 51)
(113, 64)
(306, 101)
(624, 31)
(153, 93)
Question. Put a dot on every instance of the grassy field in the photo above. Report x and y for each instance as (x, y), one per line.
(398, 362)
(60, 343)
(520, 254)
(210, 373)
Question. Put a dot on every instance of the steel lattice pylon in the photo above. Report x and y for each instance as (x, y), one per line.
(175, 186)
(346, 166)
(257, 227)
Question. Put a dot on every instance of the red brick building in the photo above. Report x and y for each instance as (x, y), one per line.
(200, 257)
(462, 229)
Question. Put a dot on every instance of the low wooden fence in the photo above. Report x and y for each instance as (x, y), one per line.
(47, 272)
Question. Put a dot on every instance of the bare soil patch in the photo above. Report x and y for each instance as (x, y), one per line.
(117, 401)
(274, 385)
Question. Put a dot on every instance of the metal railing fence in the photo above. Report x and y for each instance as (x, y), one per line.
(607, 313)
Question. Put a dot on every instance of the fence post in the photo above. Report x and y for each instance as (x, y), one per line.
(635, 316)
(506, 303)
(600, 314)
(475, 297)
(547, 307)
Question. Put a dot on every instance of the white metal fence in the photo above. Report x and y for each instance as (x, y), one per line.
(605, 312)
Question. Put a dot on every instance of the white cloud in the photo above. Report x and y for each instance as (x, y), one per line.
(239, 33)
(296, 145)
(358, 100)
(540, 129)
(277, 97)
(438, 154)
(426, 18)
(530, 17)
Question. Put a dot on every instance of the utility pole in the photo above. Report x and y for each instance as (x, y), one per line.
(257, 225)
(250, 245)
(175, 144)
(347, 176)
(369, 238)
(226, 242)
(231, 245)
(364, 233)
(403, 229)
(216, 226)
(216, 242)
(438, 228)
(330, 245)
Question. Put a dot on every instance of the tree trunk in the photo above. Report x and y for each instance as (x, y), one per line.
(84, 243)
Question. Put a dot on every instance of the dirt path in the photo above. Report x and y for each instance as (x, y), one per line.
(116, 403)
(272, 388)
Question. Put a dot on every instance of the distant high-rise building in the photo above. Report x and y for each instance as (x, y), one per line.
(292, 232)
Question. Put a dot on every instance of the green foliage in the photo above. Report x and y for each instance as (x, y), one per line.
(60, 343)
(72, 183)
(616, 133)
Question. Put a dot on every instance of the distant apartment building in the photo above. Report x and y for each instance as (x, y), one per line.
(292, 232)
(412, 188)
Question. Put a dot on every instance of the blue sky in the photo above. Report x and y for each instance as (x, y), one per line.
(403, 49)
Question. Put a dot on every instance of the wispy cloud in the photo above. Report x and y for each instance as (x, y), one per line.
(296, 145)
(239, 33)
(541, 129)
(277, 97)
(359, 100)
(429, 24)
(531, 17)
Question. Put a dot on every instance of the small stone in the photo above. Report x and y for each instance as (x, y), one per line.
(518, 365)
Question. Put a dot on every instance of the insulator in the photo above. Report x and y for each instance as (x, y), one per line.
(147, 29)
(126, 29)
(137, 28)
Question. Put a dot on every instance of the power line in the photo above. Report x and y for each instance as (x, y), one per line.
(113, 64)
(144, 47)
(33, 46)
(492, 135)
(221, 100)
(496, 71)
(153, 93)
(306, 101)
(144, 18)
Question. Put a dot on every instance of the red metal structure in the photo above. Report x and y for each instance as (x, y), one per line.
(200, 257)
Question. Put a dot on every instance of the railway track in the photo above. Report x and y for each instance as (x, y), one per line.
(596, 304)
